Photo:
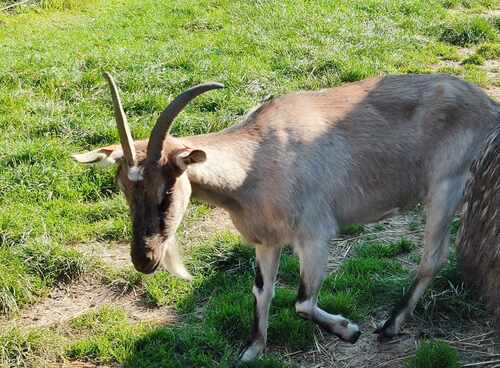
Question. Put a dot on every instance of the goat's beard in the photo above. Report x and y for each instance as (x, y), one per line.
(172, 260)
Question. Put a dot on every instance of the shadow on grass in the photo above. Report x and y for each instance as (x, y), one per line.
(217, 313)
(217, 307)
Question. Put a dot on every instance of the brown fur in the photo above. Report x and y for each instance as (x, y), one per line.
(300, 166)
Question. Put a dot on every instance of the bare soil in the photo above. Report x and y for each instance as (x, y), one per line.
(68, 301)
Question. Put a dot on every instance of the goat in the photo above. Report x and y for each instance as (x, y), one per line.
(300, 166)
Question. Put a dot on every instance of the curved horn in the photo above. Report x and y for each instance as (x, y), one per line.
(168, 115)
(121, 123)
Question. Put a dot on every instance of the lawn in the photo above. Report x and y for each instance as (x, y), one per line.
(54, 102)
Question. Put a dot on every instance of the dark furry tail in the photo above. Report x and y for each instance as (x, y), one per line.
(479, 237)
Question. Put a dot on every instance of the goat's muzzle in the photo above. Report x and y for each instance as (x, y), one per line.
(146, 268)
(146, 260)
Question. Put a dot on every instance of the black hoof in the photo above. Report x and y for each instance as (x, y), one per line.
(354, 337)
(386, 332)
(351, 340)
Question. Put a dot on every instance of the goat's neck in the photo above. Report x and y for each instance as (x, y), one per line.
(219, 180)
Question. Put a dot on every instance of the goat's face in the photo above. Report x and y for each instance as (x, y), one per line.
(158, 195)
(152, 177)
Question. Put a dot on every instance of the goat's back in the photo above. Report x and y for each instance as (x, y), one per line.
(364, 149)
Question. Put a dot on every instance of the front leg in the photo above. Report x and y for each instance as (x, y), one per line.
(267, 261)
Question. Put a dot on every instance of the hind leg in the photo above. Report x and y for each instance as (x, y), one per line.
(313, 260)
(443, 204)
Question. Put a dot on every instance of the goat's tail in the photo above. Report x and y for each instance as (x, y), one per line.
(479, 236)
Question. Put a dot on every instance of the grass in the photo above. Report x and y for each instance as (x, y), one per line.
(476, 75)
(217, 310)
(447, 297)
(434, 354)
(489, 51)
(466, 32)
(371, 278)
(385, 250)
(474, 59)
(33, 348)
(470, 71)
(209, 334)
(446, 51)
(468, 4)
(352, 230)
(53, 102)
(28, 271)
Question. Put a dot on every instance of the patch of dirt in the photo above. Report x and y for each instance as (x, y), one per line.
(114, 254)
(492, 13)
(394, 229)
(203, 229)
(71, 300)
(67, 301)
(474, 342)
(117, 254)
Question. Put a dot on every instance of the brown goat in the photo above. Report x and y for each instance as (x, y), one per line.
(300, 166)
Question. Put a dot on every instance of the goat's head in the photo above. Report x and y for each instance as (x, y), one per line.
(151, 178)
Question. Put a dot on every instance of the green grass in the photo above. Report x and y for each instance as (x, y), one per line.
(385, 250)
(289, 269)
(124, 279)
(468, 4)
(352, 230)
(47, 4)
(28, 271)
(370, 279)
(434, 354)
(489, 51)
(217, 309)
(468, 31)
(110, 337)
(447, 297)
(65, 4)
(476, 75)
(446, 51)
(474, 59)
(33, 348)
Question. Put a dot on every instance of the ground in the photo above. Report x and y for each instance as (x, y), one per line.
(68, 293)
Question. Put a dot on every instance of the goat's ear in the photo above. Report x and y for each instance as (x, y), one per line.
(104, 156)
(188, 156)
